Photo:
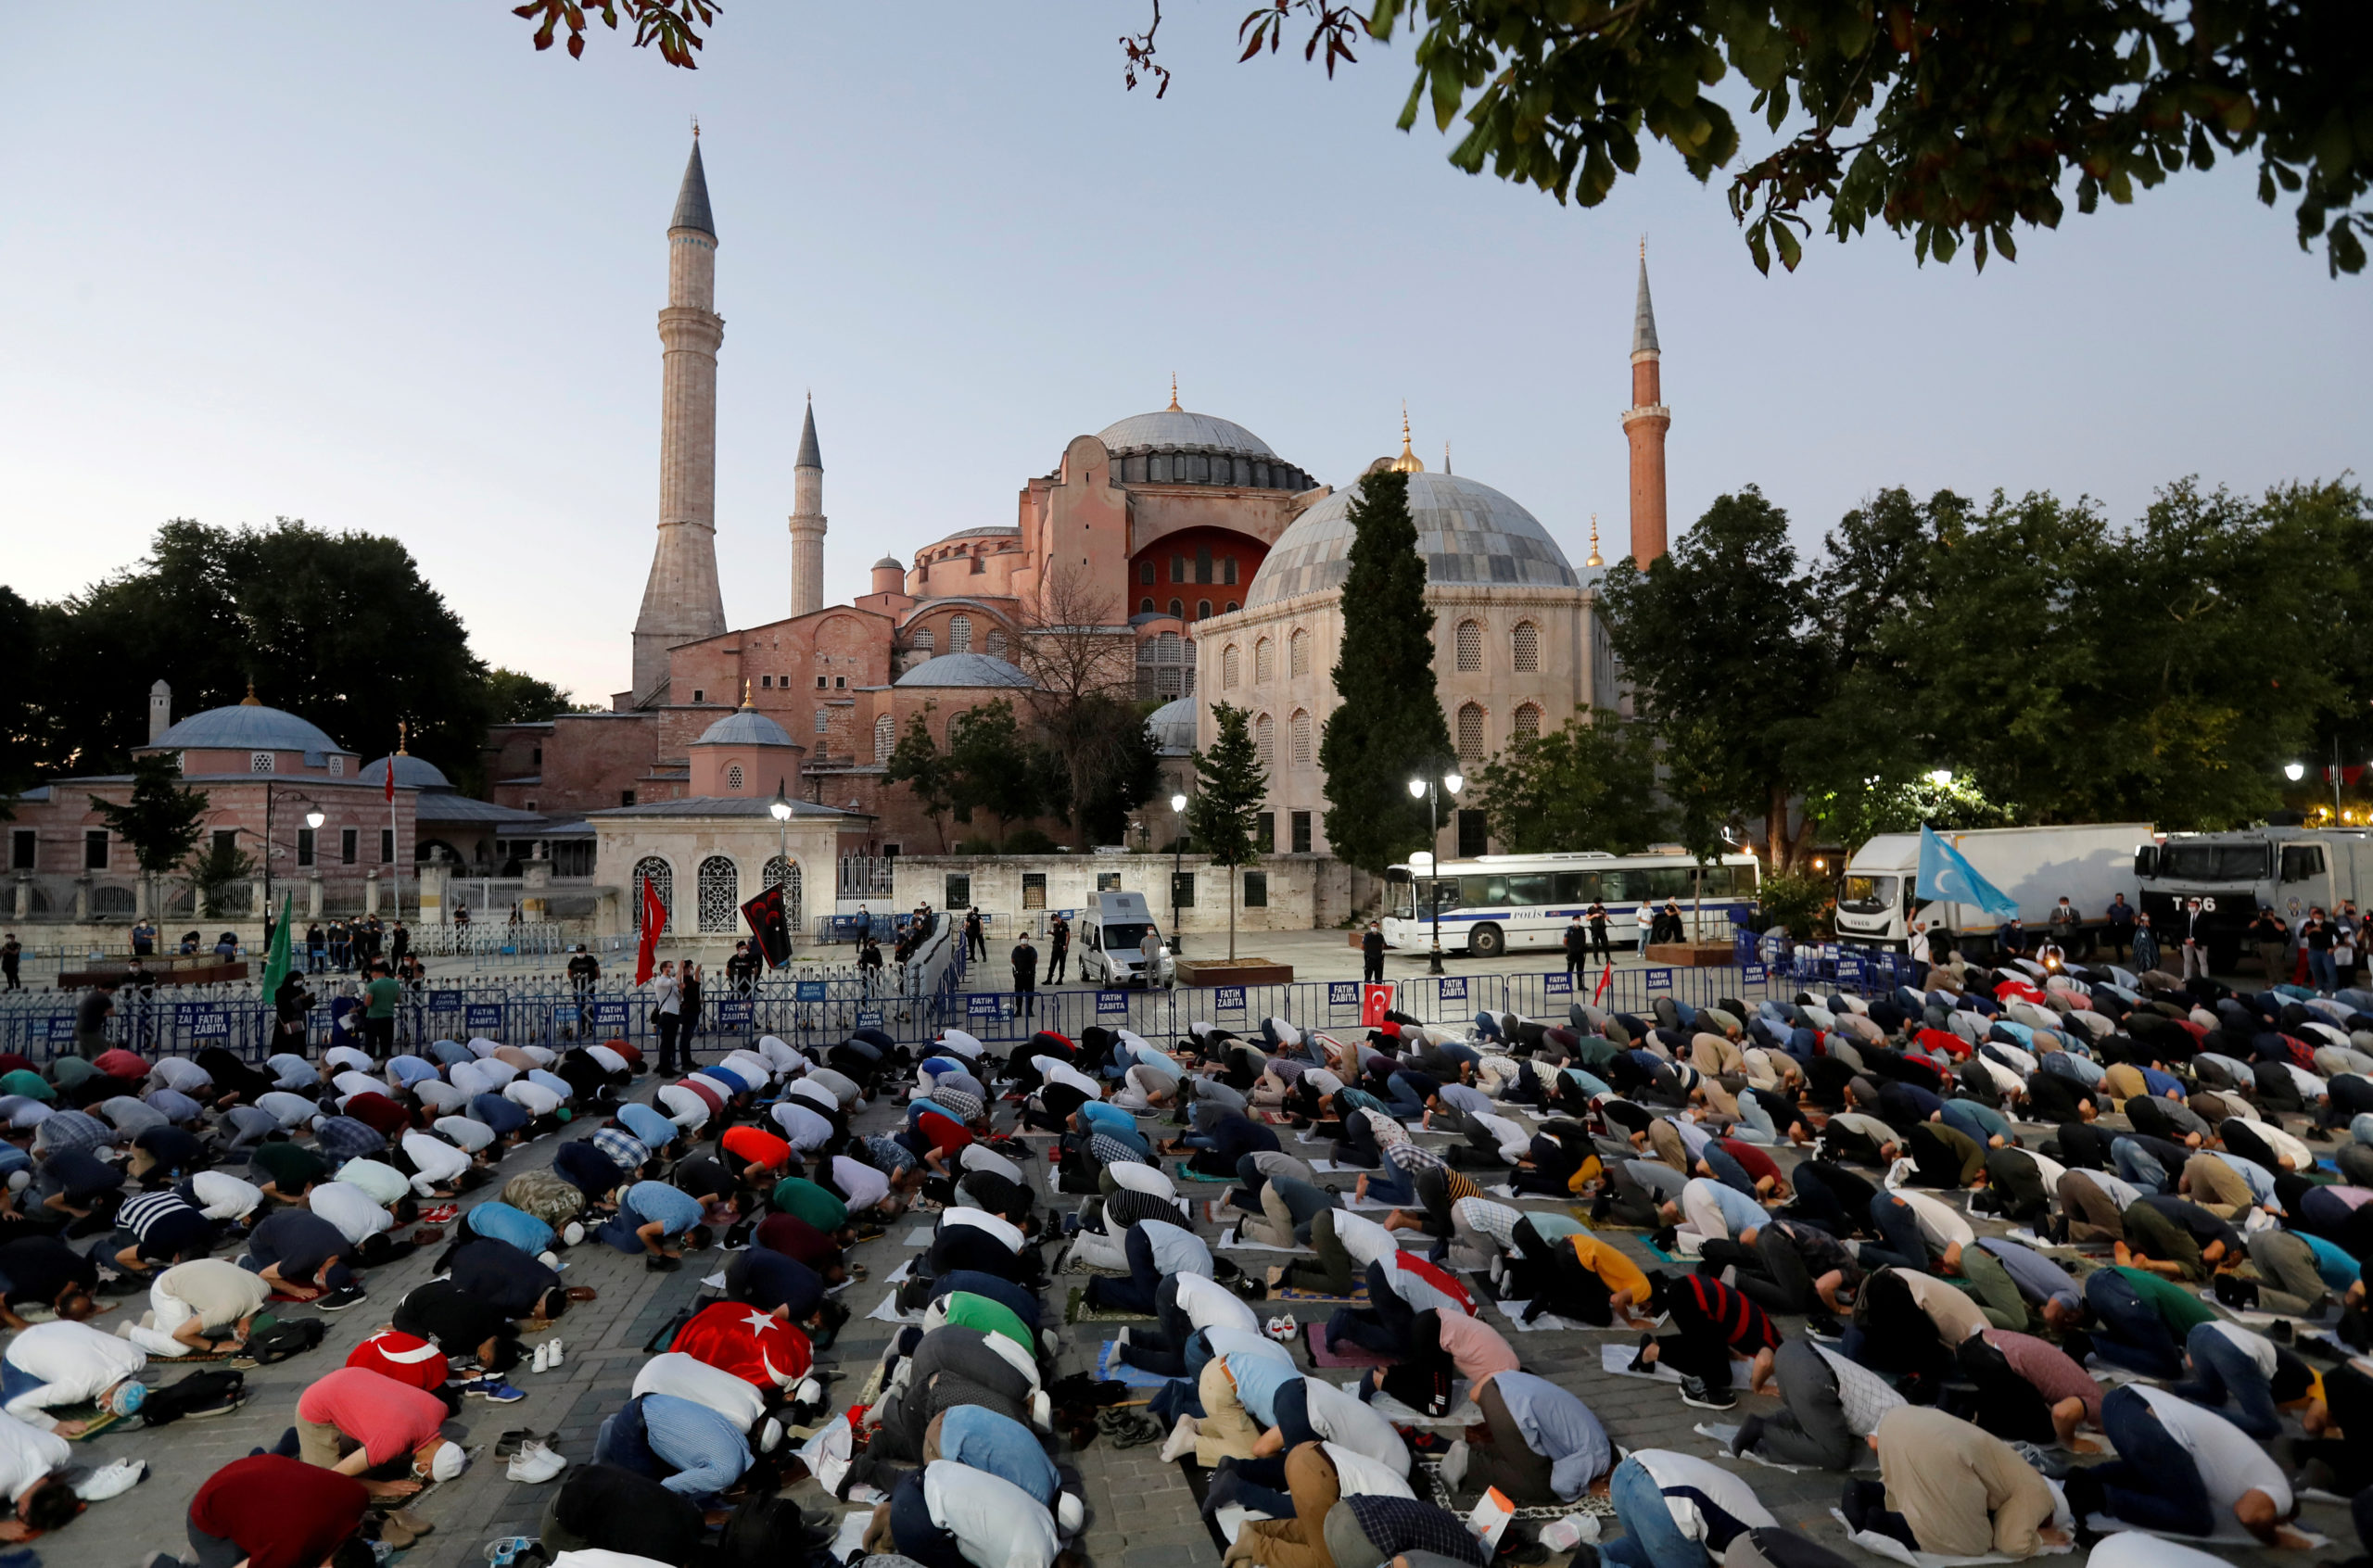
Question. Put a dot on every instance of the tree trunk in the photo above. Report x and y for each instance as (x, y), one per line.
(1231, 914)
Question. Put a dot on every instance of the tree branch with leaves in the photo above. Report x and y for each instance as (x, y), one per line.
(1223, 814)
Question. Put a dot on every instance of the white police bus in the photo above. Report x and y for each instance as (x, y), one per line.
(1497, 902)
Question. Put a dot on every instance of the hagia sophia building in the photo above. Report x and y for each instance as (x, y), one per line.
(1219, 561)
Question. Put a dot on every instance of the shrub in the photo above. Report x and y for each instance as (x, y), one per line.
(1798, 901)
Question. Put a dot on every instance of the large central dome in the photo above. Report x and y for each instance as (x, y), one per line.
(1173, 447)
(1176, 427)
(1468, 533)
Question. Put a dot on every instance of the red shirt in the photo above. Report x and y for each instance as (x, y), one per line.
(709, 1096)
(121, 1063)
(390, 1419)
(1754, 1161)
(754, 1145)
(282, 1512)
(379, 1113)
(408, 1360)
(633, 1053)
(755, 1345)
(945, 1135)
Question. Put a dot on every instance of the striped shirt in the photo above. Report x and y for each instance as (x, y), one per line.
(142, 1213)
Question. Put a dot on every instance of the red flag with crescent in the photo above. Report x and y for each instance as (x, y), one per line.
(757, 1347)
(654, 914)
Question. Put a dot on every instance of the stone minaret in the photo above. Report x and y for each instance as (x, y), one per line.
(680, 603)
(1645, 423)
(808, 522)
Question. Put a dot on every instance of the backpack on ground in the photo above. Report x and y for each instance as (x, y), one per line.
(212, 1391)
(279, 1340)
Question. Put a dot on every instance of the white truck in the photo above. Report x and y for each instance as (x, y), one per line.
(2289, 870)
(1111, 942)
(2089, 864)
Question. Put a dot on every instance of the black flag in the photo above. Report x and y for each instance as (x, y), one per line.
(769, 928)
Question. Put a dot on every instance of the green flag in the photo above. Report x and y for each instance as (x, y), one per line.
(277, 963)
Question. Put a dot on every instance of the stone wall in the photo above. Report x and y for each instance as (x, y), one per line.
(1304, 891)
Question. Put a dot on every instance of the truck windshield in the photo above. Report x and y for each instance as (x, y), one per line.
(1123, 936)
(1866, 895)
(2213, 862)
(1398, 892)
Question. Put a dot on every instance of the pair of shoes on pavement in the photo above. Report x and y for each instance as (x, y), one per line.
(492, 1389)
(338, 1300)
(548, 1357)
(1282, 1328)
(536, 1462)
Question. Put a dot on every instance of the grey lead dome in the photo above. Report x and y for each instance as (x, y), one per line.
(1467, 532)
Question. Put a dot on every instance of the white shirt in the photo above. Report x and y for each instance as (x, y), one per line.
(351, 1209)
(1054, 1070)
(2258, 1348)
(1209, 1304)
(1008, 1234)
(531, 1097)
(28, 1453)
(687, 1377)
(342, 1056)
(997, 1525)
(864, 1185)
(815, 1094)
(755, 1064)
(1864, 1397)
(438, 1095)
(295, 1072)
(289, 1110)
(777, 1054)
(1728, 1492)
(1939, 1223)
(1137, 1178)
(1342, 1419)
(436, 1160)
(468, 1134)
(383, 1183)
(2230, 1461)
(1365, 1239)
(181, 1073)
(1515, 1141)
(978, 1156)
(224, 1196)
(963, 1045)
(802, 1126)
(685, 1108)
(75, 1362)
(1357, 1475)
(349, 1085)
(605, 1059)
(667, 997)
(473, 1079)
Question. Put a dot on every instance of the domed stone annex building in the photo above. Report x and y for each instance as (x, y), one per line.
(1218, 560)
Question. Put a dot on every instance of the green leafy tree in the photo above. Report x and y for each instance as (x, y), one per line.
(1713, 638)
(1954, 804)
(1800, 901)
(1389, 720)
(918, 763)
(222, 865)
(1589, 785)
(1223, 813)
(992, 769)
(515, 697)
(22, 717)
(160, 820)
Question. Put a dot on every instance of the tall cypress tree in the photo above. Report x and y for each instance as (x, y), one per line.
(1389, 728)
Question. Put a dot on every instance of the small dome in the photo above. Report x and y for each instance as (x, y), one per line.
(1467, 532)
(411, 773)
(245, 726)
(964, 669)
(888, 563)
(1176, 427)
(745, 727)
(1171, 727)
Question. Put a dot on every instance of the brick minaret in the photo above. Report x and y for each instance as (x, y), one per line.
(1645, 423)
(808, 522)
(680, 603)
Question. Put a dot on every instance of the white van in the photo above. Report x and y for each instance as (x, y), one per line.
(1108, 943)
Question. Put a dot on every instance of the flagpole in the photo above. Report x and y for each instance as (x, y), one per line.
(395, 837)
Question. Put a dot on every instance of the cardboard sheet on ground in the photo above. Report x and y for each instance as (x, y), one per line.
(1230, 1242)
(886, 1311)
(1616, 1359)
(851, 1540)
(1110, 1367)
(1548, 1322)
(1896, 1551)
(900, 1276)
(2228, 1532)
(1463, 1412)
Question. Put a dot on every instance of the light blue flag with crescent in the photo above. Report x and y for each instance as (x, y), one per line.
(1949, 878)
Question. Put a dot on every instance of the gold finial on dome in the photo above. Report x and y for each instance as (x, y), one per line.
(403, 735)
(1596, 560)
(1408, 461)
(1173, 394)
(249, 699)
(745, 691)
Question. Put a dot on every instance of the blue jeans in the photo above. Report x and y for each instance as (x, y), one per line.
(2322, 970)
(2219, 1369)
(2134, 1163)
(2131, 1333)
(1650, 1539)
(2153, 1481)
(1900, 1229)
(1387, 1184)
(1404, 1105)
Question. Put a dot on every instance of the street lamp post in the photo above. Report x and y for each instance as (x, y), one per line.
(1177, 867)
(1422, 788)
(780, 809)
(314, 819)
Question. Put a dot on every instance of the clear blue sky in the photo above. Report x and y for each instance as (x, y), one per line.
(386, 268)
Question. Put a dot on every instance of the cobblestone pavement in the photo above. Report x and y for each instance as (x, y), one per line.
(1142, 1514)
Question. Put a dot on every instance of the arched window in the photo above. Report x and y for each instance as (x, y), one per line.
(1177, 609)
(823, 720)
(924, 642)
(1470, 645)
(662, 877)
(1526, 647)
(1231, 668)
(785, 874)
(1298, 653)
(1233, 607)
(733, 776)
(996, 642)
(959, 634)
(885, 737)
(1228, 572)
(1145, 605)
(1265, 740)
(1527, 723)
(1298, 737)
(720, 894)
(1470, 731)
(1202, 563)
(1264, 662)
(1202, 609)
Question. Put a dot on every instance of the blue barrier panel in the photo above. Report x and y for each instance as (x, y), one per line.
(869, 1018)
(1108, 1002)
(1657, 980)
(1556, 985)
(736, 1012)
(483, 1018)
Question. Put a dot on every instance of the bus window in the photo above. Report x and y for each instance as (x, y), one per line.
(1618, 887)
(1399, 892)
(1445, 888)
(1716, 881)
(1576, 887)
(1479, 891)
(1667, 882)
(2301, 862)
(1529, 891)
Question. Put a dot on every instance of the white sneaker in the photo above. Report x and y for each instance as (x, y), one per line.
(1182, 1440)
(542, 1358)
(114, 1480)
(536, 1463)
(1120, 1337)
(552, 1363)
(1452, 1468)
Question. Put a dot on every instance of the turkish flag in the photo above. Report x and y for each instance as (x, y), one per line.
(1375, 1002)
(758, 1347)
(765, 913)
(391, 782)
(654, 914)
(1605, 979)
